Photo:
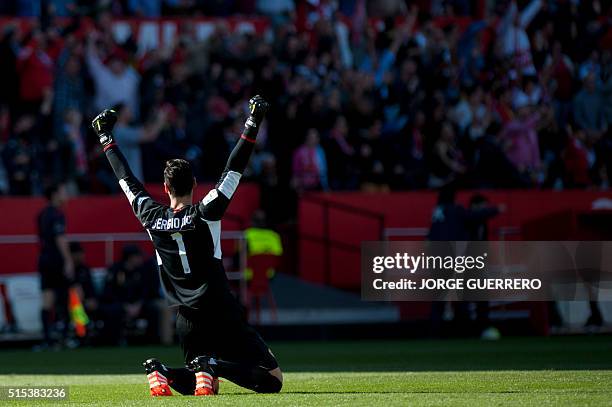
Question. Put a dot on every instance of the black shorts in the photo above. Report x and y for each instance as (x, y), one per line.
(219, 328)
(52, 276)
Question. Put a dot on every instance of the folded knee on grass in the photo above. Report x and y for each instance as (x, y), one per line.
(271, 384)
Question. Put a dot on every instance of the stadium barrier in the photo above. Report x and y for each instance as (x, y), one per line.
(333, 225)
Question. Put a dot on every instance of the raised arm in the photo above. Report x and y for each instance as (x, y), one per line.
(215, 203)
(139, 198)
(92, 59)
(508, 18)
(529, 13)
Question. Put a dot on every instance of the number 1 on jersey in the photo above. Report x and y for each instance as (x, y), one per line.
(178, 238)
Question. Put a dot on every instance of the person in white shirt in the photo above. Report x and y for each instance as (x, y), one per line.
(114, 82)
(513, 38)
(130, 137)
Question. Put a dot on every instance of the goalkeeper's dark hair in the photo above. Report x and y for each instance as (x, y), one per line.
(118, 107)
(178, 176)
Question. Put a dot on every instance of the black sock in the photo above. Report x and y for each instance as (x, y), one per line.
(595, 312)
(255, 378)
(45, 316)
(181, 379)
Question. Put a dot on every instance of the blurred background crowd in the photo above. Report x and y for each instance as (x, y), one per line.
(368, 95)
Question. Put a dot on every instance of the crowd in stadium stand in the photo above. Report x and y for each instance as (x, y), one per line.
(520, 97)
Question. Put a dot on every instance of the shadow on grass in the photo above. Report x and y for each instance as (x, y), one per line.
(558, 353)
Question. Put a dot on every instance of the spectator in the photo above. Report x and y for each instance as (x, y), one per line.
(579, 159)
(20, 156)
(606, 89)
(27, 8)
(447, 161)
(514, 41)
(395, 87)
(9, 76)
(372, 164)
(62, 8)
(115, 82)
(341, 155)
(469, 109)
(521, 140)
(588, 106)
(560, 69)
(146, 8)
(130, 138)
(310, 164)
(590, 67)
(409, 156)
(275, 8)
(72, 150)
(68, 89)
(35, 69)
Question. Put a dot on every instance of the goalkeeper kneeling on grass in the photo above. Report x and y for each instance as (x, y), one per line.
(215, 337)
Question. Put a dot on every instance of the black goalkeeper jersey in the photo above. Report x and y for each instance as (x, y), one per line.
(187, 245)
(187, 241)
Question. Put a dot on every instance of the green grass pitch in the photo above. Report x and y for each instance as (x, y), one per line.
(560, 371)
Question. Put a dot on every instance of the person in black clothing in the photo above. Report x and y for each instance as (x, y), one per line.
(478, 226)
(9, 77)
(478, 231)
(54, 262)
(215, 337)
(129, 293)
(452, 222)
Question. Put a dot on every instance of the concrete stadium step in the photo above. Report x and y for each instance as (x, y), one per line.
(303, 303)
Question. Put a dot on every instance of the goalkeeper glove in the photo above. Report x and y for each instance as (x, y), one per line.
(103, 126)
(258, 108)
